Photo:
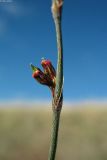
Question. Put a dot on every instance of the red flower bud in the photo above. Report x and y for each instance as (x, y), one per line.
(48, 77)
(36, 74)
(41, 77)
(49, 69)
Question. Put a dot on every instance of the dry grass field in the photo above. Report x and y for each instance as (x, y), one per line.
(25, 134)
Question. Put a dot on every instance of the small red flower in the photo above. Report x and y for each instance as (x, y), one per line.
(48, 77)
(36, 74)
(49, 69)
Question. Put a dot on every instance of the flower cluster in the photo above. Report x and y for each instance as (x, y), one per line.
(46, 77)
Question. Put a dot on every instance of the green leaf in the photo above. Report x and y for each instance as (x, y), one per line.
(33, 68)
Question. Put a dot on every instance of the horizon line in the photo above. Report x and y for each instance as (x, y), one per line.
(43, 102)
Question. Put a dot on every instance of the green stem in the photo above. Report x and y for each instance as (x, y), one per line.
(54, 136)
(57, 14)
(59, 77)
(58, 96)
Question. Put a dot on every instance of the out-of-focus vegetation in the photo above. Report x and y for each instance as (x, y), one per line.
(25, 134)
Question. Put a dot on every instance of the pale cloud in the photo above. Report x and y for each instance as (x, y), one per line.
(11, 10)
(16, 9)
(6, 1)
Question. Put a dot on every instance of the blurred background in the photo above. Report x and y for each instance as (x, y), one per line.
(27, 34)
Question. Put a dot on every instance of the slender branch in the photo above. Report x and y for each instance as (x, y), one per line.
(54, 136)
(58, 96)
(57, 14)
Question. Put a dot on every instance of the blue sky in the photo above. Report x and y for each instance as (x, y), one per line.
(27, 34)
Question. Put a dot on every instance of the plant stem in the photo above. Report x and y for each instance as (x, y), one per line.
(58, 96)
(54, 136)
(59, 76)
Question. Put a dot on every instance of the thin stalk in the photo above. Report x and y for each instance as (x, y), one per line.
(58, 96)
(54, 136)
(59, 76)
